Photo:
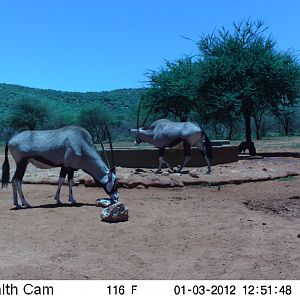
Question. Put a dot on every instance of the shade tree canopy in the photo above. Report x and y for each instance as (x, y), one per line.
(238, 74)
(171, 89)
(243, 72)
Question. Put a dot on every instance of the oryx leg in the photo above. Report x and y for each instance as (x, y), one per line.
(15, 195)
(71, 183)
(202, 149)
(162, 161)
(17, 183)
(187, 155)
(62, 176)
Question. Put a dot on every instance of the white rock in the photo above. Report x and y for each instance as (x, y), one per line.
(117, 212)
(104, 202)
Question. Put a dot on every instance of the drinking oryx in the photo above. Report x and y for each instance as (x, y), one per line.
(70, 148)
(164, 133)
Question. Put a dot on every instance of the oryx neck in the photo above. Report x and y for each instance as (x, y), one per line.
(96, 168)
(145, 135)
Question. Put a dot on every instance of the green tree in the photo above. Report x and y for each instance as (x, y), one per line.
(171, 88)
(286, 118)
(28, 113)
(244, 73)
(92, 118)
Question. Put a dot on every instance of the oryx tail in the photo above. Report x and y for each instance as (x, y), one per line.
(5, 169)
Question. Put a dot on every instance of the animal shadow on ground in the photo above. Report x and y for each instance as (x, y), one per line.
(54, 205)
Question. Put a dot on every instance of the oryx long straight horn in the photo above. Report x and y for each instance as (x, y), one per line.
(111, 147)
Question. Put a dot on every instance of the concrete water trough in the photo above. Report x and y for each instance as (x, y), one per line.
(147, 156)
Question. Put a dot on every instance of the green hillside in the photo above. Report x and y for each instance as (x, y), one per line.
(64, 108)
(118, 107)
(117, 101)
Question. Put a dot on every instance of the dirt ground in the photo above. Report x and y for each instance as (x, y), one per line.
(246, 230)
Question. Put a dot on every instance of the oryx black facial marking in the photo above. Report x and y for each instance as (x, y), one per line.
(70, 148)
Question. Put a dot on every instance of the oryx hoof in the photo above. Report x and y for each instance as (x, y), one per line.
(18, 206)
(73, 202)
(26, 205)
(158, 172)
(58, 202)
(208, 172)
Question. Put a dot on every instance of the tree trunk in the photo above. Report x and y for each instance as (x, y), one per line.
(257, 128)
(103, 134)
(257, 132)
(229, 136)
(216, 130)
(250, 144)
(248, 127)
(286, 127)
(258, 121)
(230, 131)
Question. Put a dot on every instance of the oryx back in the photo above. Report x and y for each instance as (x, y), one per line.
(168, 133)
(52, 148)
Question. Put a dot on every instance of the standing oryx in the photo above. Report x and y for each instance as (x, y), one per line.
(164, 133)
(70, 148)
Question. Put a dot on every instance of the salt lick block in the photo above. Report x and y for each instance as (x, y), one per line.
(117, 212)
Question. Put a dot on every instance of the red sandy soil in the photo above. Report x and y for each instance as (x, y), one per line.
(245, 230)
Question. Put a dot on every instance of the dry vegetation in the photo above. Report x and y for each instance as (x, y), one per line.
(276, 144)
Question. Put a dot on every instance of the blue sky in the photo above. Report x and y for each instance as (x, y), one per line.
(89, 45)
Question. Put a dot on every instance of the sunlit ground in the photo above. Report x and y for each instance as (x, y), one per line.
(276, 144)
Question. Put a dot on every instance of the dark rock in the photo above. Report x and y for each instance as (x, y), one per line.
(139, 170)
(115, 213)
(194, 174)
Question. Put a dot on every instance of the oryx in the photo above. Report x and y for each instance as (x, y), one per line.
(165, 133)
(70, 148)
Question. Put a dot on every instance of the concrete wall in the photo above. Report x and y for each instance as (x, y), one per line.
(148, 157)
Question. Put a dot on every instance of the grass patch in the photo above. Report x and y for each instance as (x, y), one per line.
(276, 144)
(295, 146)
(285, 179)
